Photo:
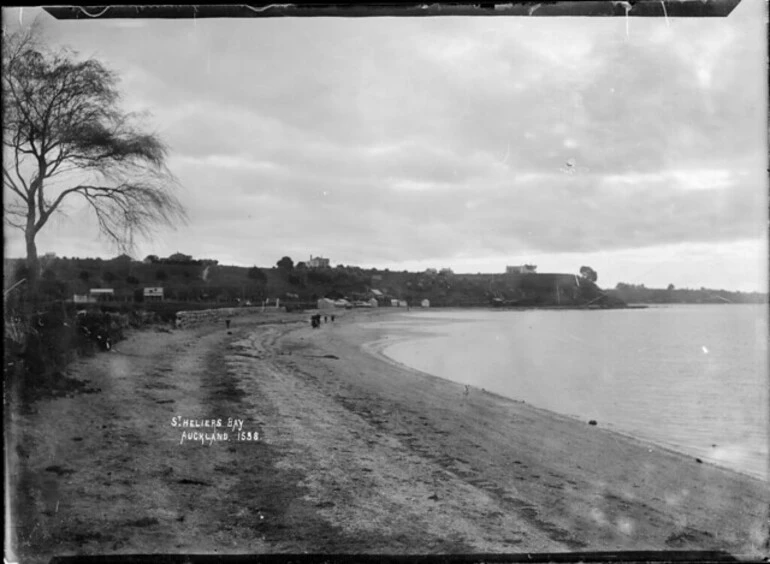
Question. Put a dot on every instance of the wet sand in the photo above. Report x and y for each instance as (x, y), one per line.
(356, 454)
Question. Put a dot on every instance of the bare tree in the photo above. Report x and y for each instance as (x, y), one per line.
(64, 135)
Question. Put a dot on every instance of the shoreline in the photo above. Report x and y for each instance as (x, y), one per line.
(425, 330)
(597, 449)
(376, 348)
(355, 455)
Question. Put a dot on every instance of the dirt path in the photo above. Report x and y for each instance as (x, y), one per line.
(105, 472)
(354, 455)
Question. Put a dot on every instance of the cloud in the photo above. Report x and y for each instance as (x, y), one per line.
(415, 139)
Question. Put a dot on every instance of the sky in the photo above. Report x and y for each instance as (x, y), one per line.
(637, 147)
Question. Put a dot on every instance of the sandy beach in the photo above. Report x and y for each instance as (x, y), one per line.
(355, 454)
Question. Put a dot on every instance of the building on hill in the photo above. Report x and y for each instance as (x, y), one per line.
(153, 294)
(522, 269)
(102, 294)
(318, 262)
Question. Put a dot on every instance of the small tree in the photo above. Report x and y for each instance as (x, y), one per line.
(161, 275)
(285, 264)
(589, 273)
(256, 274)
(180, 257)
(108, 276)
(62, 122)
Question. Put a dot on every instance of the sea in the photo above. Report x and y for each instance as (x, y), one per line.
(693, 378)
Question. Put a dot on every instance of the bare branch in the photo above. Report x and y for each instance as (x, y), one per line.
(15, 215)
(64, 113)
(8, 181)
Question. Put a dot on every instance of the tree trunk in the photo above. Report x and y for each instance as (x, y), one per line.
(33, 263)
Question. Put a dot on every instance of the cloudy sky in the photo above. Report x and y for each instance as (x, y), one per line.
(636, 147)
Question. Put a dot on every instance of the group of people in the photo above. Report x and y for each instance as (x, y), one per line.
(315, 320)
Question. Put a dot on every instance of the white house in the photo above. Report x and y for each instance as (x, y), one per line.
(101, 294)
(318, 262)
(425, 303)
(153, 293)
(522, 269)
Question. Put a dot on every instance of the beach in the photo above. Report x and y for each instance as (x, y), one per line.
(346, 452)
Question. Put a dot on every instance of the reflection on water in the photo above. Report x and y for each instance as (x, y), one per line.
(690, 377)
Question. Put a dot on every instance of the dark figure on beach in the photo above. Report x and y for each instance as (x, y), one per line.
(332, 319)
(326, 319)
(227, 323)
(316, 321)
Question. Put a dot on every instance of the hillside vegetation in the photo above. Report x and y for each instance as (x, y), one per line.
(191, 281)
(188, 280)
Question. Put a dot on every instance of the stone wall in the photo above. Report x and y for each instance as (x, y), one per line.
(187, 319)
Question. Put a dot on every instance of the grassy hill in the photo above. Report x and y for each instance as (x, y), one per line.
(204, 281)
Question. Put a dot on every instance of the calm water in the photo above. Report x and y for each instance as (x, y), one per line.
(690, 377)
